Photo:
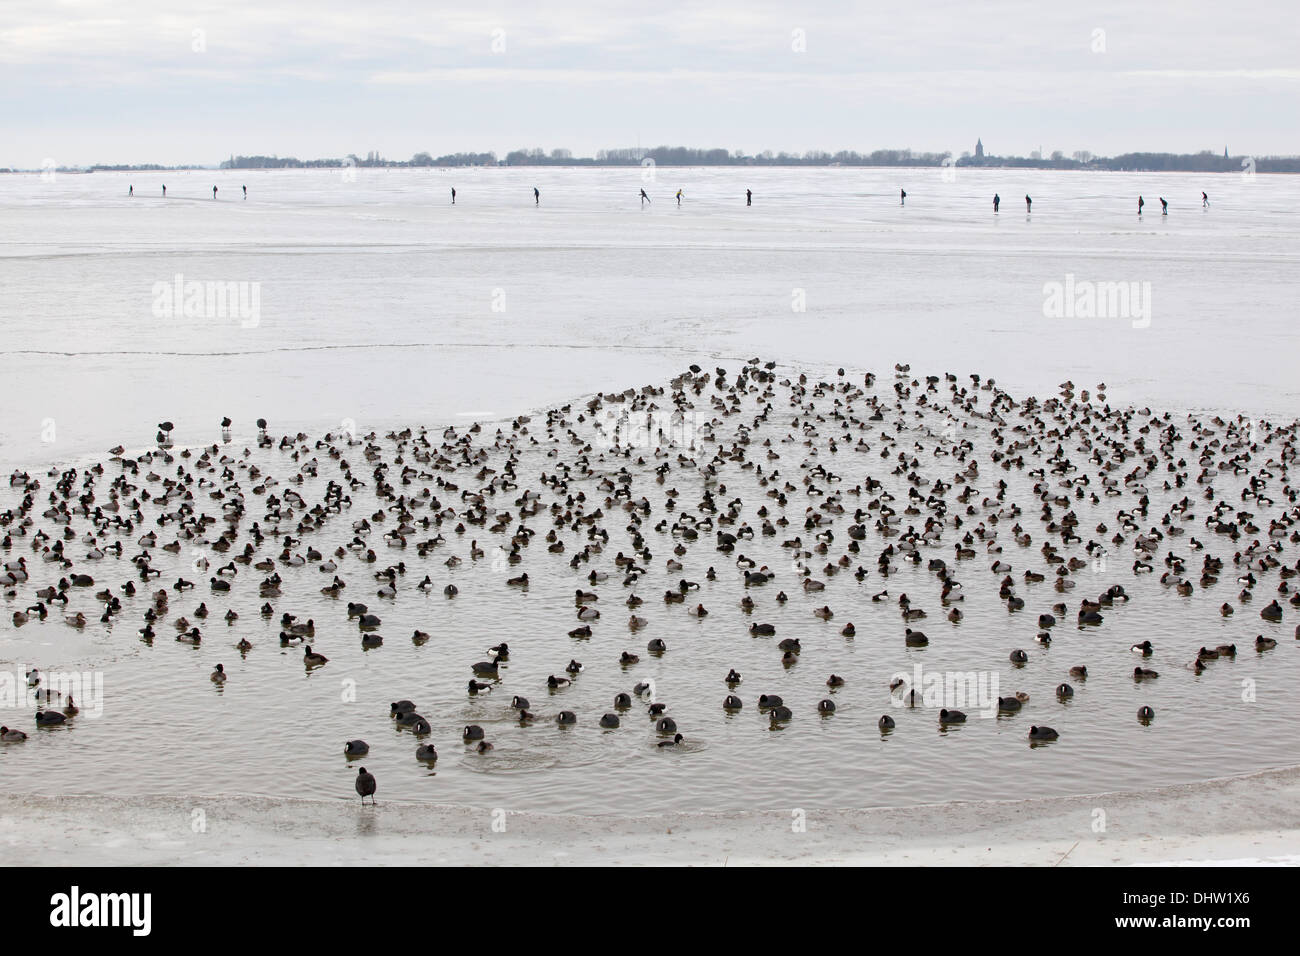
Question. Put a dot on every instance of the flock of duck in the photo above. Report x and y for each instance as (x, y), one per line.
(843, 479)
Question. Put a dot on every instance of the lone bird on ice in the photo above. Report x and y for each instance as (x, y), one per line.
(365, 785)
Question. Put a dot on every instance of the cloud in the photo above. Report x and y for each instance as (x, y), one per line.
(906, 74)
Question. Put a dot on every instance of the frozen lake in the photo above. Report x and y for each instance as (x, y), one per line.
(380, 305)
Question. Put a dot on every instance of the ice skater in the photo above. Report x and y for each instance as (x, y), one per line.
(164, 190)
(245, 192)
(130, 190)
(1029, 204)
(1205, 201)
(453, 195)
(749, 197)
(679, 197)
(644, 198)
(1141, 203)
(537, 197)
(1164, 207)
(996, 201)
(214, 192)
(902, 197)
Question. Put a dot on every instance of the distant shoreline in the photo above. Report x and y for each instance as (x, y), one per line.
(1204, 162)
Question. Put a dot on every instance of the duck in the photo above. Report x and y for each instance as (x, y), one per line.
(1042, 733)
(356, 748)
(312, 659)
(365, 785)
(218, 675)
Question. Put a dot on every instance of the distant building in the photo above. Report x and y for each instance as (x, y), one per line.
(979, 149)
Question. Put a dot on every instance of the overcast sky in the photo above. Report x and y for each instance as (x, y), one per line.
(130, 81)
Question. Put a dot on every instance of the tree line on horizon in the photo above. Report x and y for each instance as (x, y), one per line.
(1204, 161)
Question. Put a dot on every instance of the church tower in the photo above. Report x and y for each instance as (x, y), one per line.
(979, 149)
